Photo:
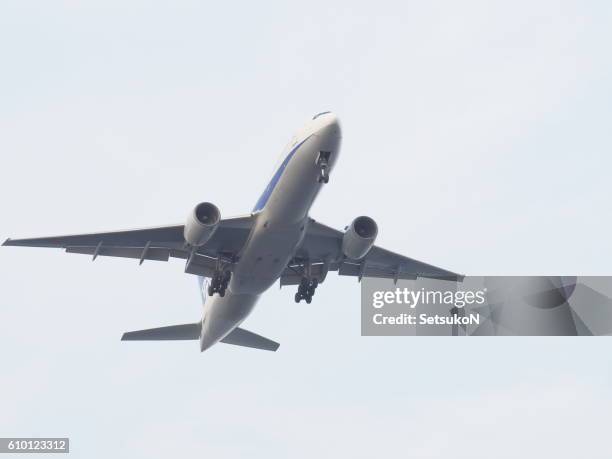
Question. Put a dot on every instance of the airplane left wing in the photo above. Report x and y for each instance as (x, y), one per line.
(159, 243)
(322, 249)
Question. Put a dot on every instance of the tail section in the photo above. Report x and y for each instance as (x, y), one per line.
(241, 337)
(172, 333)
(238, 336)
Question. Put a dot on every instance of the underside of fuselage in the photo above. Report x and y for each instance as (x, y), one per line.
(281, 216)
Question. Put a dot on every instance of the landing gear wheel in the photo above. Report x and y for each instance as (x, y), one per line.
(219, 282)
(324, 175)
(323, 163)
(306, 289)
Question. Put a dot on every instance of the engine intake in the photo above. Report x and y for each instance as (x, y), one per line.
(201, 224)
(359, 238)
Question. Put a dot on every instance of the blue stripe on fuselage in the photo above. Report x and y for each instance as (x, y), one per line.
(261, 202)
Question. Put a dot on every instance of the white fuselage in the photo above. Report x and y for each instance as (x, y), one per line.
(281, 217)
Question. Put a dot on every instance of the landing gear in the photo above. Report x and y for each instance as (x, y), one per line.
(219, 282)
(323, 175)
(323, 163)
(306, 290)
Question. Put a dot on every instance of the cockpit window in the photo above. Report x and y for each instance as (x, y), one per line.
(319, 114)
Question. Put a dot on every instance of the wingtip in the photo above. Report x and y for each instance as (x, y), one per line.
(6, 242)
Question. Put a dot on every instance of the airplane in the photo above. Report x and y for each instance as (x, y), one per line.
(237, 259)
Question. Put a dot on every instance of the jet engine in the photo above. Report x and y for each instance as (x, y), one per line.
(201, 224)
(359, 238)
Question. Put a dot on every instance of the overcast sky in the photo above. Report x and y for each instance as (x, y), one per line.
(476, 133)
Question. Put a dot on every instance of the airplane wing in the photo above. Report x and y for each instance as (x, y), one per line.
(322, 247)
(159, 243)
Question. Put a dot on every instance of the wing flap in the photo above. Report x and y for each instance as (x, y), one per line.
(404, 265)
(294, 273)
(151, 253)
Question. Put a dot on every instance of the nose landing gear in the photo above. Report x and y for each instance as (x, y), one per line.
(306, 290)
(219, 282)
(323, 163)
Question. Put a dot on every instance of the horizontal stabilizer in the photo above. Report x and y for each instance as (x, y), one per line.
(238, 336)
(241, 337)
(173, 332)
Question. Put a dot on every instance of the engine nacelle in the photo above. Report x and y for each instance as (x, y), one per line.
(201, 224)
(359, 238)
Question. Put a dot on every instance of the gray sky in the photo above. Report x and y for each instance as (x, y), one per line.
(477, 134)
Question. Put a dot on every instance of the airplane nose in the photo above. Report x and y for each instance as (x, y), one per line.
(330, 126)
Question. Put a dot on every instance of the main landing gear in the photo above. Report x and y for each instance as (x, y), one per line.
(323, 163)
(218, 283)
(306, 290)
